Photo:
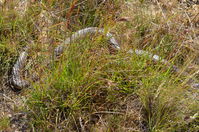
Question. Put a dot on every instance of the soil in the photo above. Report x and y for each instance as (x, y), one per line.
(11, 103)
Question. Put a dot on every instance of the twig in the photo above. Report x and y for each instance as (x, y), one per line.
(81, 124)
(162, 13)
(108, 112)
(190, 21)
(194, 17)
(8, 98)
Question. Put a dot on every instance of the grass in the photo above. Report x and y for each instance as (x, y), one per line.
(4, 123)
(86, 80)
(91, 87)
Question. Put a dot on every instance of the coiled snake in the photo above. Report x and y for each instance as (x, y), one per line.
(19, 83)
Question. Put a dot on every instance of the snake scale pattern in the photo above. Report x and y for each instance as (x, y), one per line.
(19, 83)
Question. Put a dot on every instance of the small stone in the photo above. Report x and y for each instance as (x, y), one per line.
(13, 126)
(9, 115)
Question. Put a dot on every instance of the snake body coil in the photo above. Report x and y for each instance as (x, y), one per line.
(19, 83)
(16, 79)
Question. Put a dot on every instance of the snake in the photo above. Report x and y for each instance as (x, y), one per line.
(19, 83)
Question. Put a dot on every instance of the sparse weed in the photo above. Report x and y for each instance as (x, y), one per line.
(4, 123)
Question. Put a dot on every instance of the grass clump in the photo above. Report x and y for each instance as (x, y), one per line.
(4, 123)
(36, 22)
(89, 89)
(92, 87)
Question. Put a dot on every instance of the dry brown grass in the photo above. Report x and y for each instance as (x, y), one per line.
(105, 92)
